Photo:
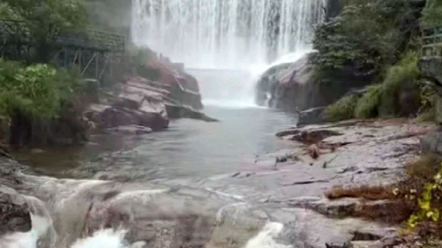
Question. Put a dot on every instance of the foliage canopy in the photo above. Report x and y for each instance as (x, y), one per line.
(432, 13)
(368, 37)
(46, 18)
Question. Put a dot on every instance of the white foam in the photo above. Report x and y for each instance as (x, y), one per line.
(108, 238)
(266, 237)
(40, 225)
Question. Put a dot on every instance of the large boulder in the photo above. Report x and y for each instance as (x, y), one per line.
(137, 103)
(293, 86)
(182, 87)
(147, 103)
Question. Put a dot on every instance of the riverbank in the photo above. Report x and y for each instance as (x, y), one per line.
(285, 188)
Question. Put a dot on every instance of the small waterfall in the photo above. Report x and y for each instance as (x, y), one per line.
(266, 237)
(40, 226)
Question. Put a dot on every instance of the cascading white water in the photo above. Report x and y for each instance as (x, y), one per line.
(244, 35)
(227, 34)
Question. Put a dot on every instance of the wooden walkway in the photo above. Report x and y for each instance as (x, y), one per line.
(431, 41)
(92, 51)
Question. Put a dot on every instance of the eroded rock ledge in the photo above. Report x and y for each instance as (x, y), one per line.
(139, 105)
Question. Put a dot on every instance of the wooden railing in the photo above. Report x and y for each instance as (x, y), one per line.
(431, 41)
(17, 33)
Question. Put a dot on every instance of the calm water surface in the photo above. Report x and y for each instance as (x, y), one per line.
(188, 148)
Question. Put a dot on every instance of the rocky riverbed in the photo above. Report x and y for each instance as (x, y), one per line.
(275, 200)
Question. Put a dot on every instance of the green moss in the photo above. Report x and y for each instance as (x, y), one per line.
(343, 109)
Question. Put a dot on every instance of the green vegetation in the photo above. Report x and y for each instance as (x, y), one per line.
(404, 73)
(45, 18)
(377, 41)
(380, 100)
(33, 90)
(432, 13)
(342, 110)
(368, 105)
(38, 90)
(369, 36)
(380, 37)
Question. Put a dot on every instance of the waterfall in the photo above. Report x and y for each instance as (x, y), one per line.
(225, 34)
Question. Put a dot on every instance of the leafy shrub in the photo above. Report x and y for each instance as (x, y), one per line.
(404, 72)
(343, 109)
(368, 105)
(432, 13)
(37, 90)
(381, 99)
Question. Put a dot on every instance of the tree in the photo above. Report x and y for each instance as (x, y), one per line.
(45, 19)
(48, 17)
(368, 36)
(432, 13)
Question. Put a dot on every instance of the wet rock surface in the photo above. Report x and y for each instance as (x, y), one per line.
(292, 86)
(14, 212)
(289, 85)
(311, 116)
(139, 101)
(278, 194)
(130, 130)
